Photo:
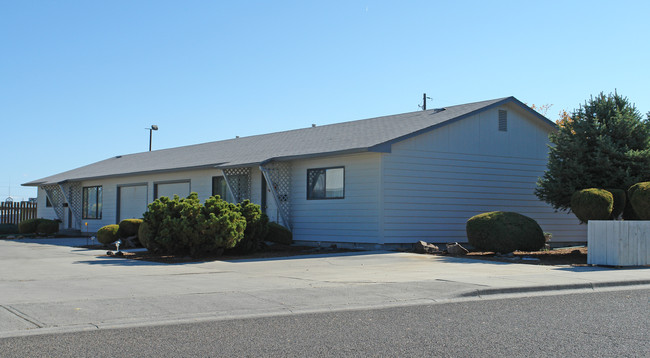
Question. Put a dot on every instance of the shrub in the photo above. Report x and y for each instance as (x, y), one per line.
(257, 226)
(8, 229)
(129, 227)
(628, 212)
(28, 226)
(279, 234)
(640, 200)
(501, 231)
(178, 226)
(47, 227)
(145, 236)
(619, 196)
(108, 234)
(592, 204)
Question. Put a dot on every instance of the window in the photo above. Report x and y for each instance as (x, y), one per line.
(326, 183)
(92, 202)
(220, 187)
(48, 203)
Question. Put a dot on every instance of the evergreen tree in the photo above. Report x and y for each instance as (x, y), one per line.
(605, 143)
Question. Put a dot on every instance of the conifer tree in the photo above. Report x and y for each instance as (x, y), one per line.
(605, 143)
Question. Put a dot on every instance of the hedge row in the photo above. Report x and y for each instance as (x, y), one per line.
(606, 204)
(38, 226)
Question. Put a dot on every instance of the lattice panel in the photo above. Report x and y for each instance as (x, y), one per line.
(73, 196)
(57, 199)
(239, 182)
(278, 178)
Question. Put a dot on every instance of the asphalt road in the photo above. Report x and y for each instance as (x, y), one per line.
(600, 324)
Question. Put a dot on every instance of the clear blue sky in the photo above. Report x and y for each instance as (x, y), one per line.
(80, 80)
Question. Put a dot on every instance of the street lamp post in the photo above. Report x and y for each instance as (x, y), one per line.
(153, 128)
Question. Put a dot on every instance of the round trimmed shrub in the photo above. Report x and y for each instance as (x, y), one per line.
(592, 204)
(279, 234)
(8, 229)
(108, 234)
(503, 231)
(129, 227)
(47, 227)
(620, 200)
(145, 236)
(640, 199)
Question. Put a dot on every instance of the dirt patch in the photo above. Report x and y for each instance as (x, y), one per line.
(274, 251)
(573, 256)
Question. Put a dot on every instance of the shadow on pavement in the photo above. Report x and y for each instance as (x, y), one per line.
(70, 242)
(118, 261)
(309, 256)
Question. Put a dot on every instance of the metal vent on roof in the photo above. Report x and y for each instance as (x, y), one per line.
(503, 120)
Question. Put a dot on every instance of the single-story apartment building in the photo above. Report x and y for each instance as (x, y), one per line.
(381, 181)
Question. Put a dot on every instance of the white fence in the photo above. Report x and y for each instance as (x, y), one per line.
(618, 243)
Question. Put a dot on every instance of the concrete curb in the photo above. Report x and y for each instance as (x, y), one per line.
(554, 288)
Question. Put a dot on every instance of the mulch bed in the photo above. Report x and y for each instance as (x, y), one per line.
(574, 256)
(274, 251)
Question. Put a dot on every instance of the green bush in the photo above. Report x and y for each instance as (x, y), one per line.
(500, 231)
(38, 226)
(279, 234)
(8, 229)
(620, 201)
(28, 226)
(640, 200)
(592, 204)
(628, 212)
(182, 226)
(47, 227)
(108, 234)
(129, 227)
(257, 226)
(145, 236)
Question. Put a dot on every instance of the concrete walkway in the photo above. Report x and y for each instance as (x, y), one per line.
(48, 285)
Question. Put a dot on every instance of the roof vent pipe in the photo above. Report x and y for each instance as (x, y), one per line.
(313, 125)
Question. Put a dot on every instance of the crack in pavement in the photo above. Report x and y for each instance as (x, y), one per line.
(23, 316)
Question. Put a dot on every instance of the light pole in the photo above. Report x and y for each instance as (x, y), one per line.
(153, 128)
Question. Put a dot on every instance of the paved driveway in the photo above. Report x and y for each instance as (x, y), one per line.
(50, 285)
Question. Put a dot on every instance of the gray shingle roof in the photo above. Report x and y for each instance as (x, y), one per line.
(357, 136)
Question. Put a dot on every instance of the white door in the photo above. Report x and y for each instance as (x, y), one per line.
(133, 201)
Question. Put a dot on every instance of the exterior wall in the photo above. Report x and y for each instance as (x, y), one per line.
(200, 182)
(41, 210)
(436, 181)
(355, 218)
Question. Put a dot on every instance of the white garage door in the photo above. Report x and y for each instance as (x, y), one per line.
(181, 189)
(133, 201)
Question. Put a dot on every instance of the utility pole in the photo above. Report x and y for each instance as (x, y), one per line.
(424, 102)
